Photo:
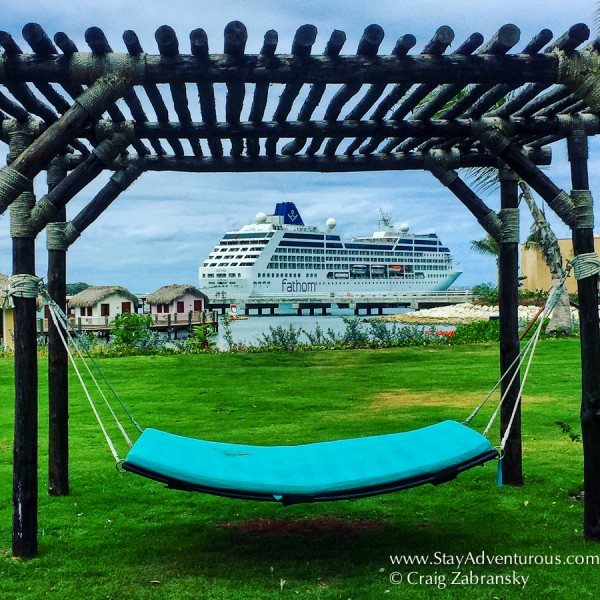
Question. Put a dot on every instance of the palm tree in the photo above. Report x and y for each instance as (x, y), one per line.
(542, 238)
(488, 246)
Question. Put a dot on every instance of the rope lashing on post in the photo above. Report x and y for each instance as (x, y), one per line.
(585, 265)
(20, 209)
(12, 183)
(493, 132)
(108, 75)
(109, 149)
(563, 206)
(584, 209)
(580, 71)
(59, 236)
(20, 135)
(24, 285)
(86, 68)
(509, 232)
(43, 212)
(101, 93)
(57, 171)
(492, 223)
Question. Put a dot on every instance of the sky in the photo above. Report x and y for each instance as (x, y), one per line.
(163, 227)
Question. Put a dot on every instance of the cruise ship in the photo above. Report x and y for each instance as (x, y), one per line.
(280, 257)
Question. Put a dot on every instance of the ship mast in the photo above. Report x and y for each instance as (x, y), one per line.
(386, 219)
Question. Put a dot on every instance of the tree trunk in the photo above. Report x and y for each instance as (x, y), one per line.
(560, 321)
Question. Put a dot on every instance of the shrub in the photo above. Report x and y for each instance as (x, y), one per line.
(485, 292)
(132, 331)
(200, 340)
(479, 331)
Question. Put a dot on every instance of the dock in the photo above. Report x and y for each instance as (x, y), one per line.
(365, 304)
(167, 323)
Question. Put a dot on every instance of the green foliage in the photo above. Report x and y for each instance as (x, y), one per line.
(568, 430)
(281, 338)
(488, 246)
(75, 288)
(132, 331)
(479, 331)
(200, 340)
(485, 292)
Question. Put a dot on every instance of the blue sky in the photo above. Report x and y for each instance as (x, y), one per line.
(163, 227)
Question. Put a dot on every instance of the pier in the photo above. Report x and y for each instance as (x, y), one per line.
(166, 323)
(365, 304)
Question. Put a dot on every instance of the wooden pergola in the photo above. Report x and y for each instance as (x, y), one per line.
(77, 114)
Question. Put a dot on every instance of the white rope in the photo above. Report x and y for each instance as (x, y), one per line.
(519, 359)
(68, 327)
(98, 387)
(24, 285)
(530, 348)
(585, 265)
(106, 436)
(518, 402)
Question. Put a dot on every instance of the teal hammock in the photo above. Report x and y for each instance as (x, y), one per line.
(335, 470)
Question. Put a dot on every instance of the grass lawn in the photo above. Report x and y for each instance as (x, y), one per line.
(121, 536)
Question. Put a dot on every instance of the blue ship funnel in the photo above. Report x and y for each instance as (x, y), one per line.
(289, 212)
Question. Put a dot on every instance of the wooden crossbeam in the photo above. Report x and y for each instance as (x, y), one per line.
(534, 126)
(417, 69)
(319, 164)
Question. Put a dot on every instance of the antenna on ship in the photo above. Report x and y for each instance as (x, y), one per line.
(386, 219)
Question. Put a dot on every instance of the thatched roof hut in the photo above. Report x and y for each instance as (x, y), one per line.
(167, 294)
(96, 293)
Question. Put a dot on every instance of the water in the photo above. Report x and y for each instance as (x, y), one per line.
(251, 330)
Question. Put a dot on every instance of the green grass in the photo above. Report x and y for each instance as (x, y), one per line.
(121, 536)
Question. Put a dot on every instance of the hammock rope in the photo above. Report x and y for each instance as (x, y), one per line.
(526, 354)
(169, 462)
(61, 323)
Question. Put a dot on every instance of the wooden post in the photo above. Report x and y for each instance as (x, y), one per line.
(583, 242)
(58, 361)
(25, 450)
(508, 301)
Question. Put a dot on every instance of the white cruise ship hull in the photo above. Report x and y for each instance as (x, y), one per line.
(281, 259)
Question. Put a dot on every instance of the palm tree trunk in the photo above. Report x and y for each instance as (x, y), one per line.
(560, 321)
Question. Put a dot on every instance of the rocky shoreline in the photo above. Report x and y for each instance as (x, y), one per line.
(459, 314)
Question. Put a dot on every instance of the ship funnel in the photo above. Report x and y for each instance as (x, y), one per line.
(289, 212)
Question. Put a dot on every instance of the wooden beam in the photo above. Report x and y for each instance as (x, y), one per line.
(304, 39)
(37, 156)
(261, 92)
(116, 185)
(486, 217)
(315, 94)
(25, 448)
(236, 36)
(533, 126)
(583, 242)
(206, 92)
(508, 305)
(424, 68)
(58, 361)
(322, 164)
(134, 48)
(168, 45)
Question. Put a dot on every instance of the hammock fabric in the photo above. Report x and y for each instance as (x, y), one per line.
(336, 470)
